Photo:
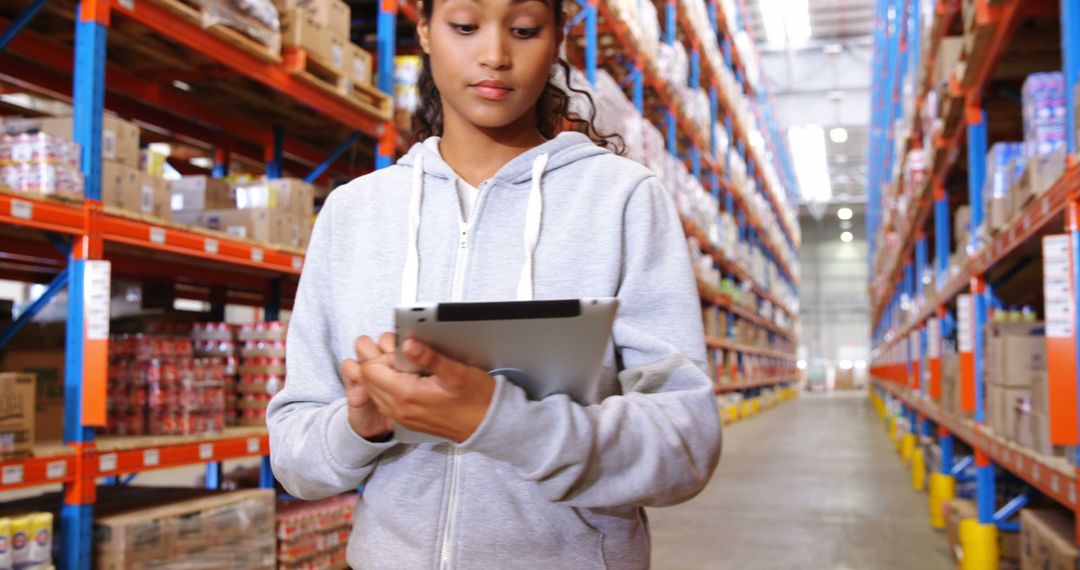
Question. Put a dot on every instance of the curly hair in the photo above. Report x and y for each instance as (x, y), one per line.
(553, 114)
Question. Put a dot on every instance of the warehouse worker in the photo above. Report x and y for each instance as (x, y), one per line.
(496, 204)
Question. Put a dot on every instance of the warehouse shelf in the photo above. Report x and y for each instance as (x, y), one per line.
(750, 350)
(614, 28)
(711, 76)
(109, 456)
(755, 384)
(73, 218)
(725, 302)
(732, 267)
(919, 314)
(1053, 476)
(1000, 23)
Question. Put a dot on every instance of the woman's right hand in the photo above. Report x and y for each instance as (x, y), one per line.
(364, 417)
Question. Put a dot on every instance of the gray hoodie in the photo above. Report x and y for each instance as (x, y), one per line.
(540, 484)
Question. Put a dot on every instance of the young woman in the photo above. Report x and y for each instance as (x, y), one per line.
(496, 204)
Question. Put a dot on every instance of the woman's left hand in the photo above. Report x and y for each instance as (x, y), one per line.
(451, 403)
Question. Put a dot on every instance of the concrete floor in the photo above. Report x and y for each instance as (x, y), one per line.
(813, 484)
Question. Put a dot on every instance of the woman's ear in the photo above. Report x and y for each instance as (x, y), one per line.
(423, 30)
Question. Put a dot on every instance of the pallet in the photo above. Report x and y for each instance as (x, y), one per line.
(310, 69)
(192, 12)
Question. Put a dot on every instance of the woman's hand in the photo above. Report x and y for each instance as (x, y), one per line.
(450, 404)
(364, 415)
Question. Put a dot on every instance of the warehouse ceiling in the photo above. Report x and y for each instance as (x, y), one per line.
(821, 76)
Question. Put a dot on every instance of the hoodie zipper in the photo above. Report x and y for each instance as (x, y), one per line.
(457, 295)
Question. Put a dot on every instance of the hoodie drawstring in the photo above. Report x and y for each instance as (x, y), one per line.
(410, 279)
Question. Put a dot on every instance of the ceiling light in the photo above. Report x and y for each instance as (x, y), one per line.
(846, 364)
(801, 365)
(833, 49)
(811, 162)
(181, 85)
(787, 22)
(860, 364)
(202, 162)
(164, 149)
(838, 135)
(846, 237)
(844, 213)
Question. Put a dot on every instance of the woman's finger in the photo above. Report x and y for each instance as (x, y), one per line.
(388, 342)
(366, 349)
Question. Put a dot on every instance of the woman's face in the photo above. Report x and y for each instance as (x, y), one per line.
(490, 59)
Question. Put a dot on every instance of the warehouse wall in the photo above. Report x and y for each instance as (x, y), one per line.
(833, 297)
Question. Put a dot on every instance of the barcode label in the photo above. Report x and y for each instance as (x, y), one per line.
(210, 246)
(12, 475)
(157, 235)
(206, 451)
(253, 445)
(108, 144)
(56, 470)
(297, 262)
(96, 296)
(22, 210)
(964, 324)
(257, 254)
(107, 462)
(151, 457)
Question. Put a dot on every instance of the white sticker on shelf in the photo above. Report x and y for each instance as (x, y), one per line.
(1036, 472)
(253, 445)
(1072, 495)
(933, 338)
(96, 296)
(210, 246)
(965, 326)
(56, 469)
(151, 457)
(22, 209)
(297, 262)
(157, 235)
(916, 348)
(1058, 294)
(1055, 484)
(257, 254)
(206, 451)
(12, 475)
(128, 4)
(1045, 205)
(107, 462)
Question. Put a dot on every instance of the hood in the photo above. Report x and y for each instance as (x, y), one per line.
(565, 149)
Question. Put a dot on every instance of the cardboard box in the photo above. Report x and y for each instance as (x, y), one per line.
(359, 65)
(1016, 353)
(948, 57)
(339, 54)
(260, 225)
(334, 15)
(950, 382)
(148, 195)
(999, 213)
(47, 366)
(1032, 430)
(1047, 541)
(17, 396)
(284, 194)
(200, 193)
(112, 183)
(1009, 549)
(227, 528)
(957, 510)
(300, 29)
(119, 138)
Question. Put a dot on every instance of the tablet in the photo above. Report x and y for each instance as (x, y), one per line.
(546, 347)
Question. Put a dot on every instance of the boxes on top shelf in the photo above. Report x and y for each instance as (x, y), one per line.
(359, 64)
(283, 194)
(334, 15)
(260, 225)
(299, 28)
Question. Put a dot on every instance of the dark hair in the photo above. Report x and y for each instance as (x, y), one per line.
(553, 113)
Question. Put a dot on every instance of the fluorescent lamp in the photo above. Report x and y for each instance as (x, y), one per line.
(860, 364)
(164, 149)
(787, 22)
(844, 213)
(801, 364)
(838, 135)
(181, 85)
(846, 237)
(811, 163)
(202, 162)
(846, 364)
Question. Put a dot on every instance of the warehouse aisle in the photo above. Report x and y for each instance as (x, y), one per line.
(813, 484)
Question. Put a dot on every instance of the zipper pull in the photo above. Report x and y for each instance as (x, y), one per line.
(463, 241)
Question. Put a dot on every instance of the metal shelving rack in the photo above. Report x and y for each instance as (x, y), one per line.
(651, 94)
(93, 242)
(88, 243)
(906, 358)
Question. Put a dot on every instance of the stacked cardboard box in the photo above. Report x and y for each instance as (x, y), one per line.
(223, 530)
(950, 381)
(262, 369)
(1016, 384)
(321, 27)
(274, 211)
(17, 393)
(315, 534)
(46, 364)
(198, 193)
(1047, 541)
(134, 190)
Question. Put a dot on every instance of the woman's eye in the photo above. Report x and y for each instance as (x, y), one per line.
(525, 33)
(463, 29)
